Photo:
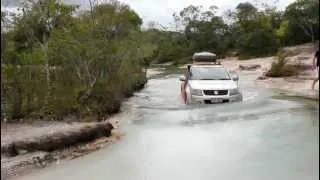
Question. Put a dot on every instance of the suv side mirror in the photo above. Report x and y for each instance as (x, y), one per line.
(234, 76)
(182, 78)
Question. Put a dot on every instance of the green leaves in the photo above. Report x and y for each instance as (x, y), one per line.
(283, 29)
(250, 31)
(35, 57)
(305, 14)
(306, 11)
(255, 32)
(73, 64)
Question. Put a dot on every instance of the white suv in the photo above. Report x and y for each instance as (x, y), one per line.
(208, 83)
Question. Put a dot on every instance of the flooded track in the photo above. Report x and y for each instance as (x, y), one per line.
(264, 137)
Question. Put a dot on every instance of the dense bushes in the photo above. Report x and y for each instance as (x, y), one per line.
(81, 65)
(247, 30)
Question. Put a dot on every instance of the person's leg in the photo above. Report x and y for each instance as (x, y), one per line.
(316, 80)
(185, 94)
(314, 83)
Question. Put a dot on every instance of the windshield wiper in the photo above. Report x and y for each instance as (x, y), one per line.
(215, 79)
(224, 79)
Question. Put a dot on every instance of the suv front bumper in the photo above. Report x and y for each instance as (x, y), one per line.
(224, 98)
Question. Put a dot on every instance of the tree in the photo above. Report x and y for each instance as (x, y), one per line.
(33, 30)
(246, 12)
(203, 30)
(59, 64)
(253, 31)
(305, 14)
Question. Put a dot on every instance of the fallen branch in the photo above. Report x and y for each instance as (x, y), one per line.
(59, 140)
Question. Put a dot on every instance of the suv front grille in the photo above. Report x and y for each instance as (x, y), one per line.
(215, 92)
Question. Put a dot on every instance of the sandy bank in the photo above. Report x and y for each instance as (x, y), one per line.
(299, 85)
(36, 145)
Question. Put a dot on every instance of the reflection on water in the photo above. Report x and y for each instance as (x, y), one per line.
(261, 138)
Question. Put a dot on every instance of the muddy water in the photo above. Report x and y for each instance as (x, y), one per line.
(261, 138)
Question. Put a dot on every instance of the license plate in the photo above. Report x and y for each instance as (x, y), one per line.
(216, 101)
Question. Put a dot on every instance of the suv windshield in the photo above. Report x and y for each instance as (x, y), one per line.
(208, 73)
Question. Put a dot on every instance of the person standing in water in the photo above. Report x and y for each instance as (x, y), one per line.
(184, 92)
(316, 67)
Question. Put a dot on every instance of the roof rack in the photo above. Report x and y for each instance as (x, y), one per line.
(206, 63)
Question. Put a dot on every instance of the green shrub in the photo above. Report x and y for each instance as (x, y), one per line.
(280, 68)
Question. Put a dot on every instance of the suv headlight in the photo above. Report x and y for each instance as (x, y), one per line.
(196, 92)
(234, 91)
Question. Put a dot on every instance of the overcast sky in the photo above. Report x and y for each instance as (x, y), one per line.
(161, 10)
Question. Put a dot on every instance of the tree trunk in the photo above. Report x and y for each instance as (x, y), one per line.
(3, 81)
(312, 33)
(91, 11)
(59, 140)
(48, 103)
(308, 30)
(3, 103)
